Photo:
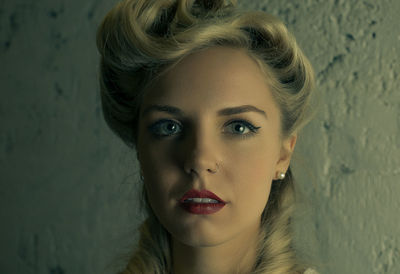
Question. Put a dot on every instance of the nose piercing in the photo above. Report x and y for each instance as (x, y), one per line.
(214, 170)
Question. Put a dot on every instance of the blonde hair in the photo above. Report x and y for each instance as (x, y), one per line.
(139, 40)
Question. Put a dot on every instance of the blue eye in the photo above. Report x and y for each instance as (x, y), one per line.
(165, 128)
(240, 126)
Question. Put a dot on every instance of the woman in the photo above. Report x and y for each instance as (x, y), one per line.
(212, 99)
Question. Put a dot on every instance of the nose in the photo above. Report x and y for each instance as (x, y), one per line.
(201, 155)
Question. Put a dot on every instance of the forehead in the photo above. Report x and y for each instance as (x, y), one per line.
(213, 78)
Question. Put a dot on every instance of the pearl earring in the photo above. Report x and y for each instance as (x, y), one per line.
(281, 175)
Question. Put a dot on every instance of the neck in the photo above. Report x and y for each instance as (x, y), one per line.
(237, 255)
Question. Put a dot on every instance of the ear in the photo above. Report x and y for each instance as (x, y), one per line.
(287, 149)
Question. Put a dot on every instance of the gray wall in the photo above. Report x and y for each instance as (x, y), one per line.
(67, 199)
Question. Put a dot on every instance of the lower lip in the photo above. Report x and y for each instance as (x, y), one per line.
(202, 208)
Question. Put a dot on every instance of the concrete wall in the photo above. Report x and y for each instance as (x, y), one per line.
(67, 200)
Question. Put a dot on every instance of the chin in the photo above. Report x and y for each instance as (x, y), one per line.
(199, 237)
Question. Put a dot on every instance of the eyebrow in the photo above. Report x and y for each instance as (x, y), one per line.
(222, 112)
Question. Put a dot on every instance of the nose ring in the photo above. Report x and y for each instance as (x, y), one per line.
(216, 168)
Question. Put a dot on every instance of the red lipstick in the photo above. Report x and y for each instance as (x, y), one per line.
(201, 202)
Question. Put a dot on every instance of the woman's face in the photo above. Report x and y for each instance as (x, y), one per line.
(180, 150)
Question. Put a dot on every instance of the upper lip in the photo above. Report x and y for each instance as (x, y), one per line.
(194, 193)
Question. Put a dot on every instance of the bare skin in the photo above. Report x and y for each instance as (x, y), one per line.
(203, 150)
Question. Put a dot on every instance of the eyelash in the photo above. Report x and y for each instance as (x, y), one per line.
(253, 129)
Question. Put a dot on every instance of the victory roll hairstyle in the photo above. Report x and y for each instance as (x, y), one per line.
(139, 40)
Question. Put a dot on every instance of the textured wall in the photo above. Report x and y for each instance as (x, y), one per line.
(352, 148)
(67, 204)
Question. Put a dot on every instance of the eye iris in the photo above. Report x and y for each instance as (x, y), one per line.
(239, 128)
(170, 127)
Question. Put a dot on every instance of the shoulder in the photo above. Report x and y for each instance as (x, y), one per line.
(310, 271)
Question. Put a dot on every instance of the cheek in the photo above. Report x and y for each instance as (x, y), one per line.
(252, 183)
(255, 162)
(163, 179)
(159, 179)
(160, 192)
(251, 170)
(158, 171)
(155, 160)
